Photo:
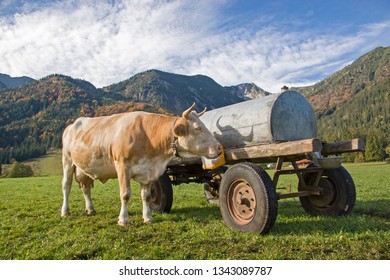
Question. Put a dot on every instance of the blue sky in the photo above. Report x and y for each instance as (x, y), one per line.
(271, 43)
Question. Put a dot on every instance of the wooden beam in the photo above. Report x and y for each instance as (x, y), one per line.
(283, 149)
(354, 145)
(274, 150)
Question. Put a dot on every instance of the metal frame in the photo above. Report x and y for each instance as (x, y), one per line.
(299, 172)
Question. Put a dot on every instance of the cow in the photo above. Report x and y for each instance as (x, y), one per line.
(135, 145)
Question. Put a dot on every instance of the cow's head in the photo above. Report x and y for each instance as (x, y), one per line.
(193, 138)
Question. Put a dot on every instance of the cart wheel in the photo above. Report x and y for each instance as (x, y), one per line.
(338, 193)
(211, 188)
(248, 199)
(162, 194)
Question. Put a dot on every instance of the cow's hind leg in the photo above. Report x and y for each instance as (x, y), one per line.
(68, 169)
(146, 210)
(86, 184)
(88, 201)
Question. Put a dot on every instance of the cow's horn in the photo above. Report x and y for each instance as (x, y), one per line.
(187, 112)
(201, 113)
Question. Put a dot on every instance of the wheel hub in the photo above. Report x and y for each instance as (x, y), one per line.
(327, 196)
(242, 202)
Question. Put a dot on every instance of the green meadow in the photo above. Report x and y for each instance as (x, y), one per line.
(31, 226)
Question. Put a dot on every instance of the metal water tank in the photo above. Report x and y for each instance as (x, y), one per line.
(274, 118)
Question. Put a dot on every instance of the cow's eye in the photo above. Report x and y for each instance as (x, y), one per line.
(198, 128)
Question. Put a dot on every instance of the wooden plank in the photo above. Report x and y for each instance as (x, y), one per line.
(185, 161)
(354, 145)
(274, 150)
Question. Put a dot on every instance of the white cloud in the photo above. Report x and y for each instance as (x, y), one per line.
(100, 42)
(105, 42)
(272, 58)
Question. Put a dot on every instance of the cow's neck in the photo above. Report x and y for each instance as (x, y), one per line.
(173, 140)
(161, 134)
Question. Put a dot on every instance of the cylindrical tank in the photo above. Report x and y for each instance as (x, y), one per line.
(274, 118)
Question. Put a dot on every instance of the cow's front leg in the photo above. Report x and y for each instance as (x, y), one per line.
(146, 210)
(124, 192)
(68, 170)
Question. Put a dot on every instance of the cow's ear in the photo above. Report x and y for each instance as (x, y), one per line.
(180, 129)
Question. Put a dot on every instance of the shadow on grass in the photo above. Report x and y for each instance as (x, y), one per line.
(209, 212)
(374, 208)
(366, 216)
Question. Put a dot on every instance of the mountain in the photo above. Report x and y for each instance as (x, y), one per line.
(13, 82)
(174, 92)
(247, 91)
(355, 102)
(365, 73)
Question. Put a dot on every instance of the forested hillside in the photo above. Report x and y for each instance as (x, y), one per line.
(355, 102)
(34, 116)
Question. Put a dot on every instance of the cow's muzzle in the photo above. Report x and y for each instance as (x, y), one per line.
(212, 163)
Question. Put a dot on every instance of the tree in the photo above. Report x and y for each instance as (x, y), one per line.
(388, 150)
(374, 146)
(19, 170)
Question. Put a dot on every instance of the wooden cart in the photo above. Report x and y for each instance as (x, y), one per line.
(248, 196)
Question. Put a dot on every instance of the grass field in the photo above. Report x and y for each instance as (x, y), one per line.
(31, 226)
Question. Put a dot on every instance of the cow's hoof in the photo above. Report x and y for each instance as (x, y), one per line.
(65, 213)
(148, 220)
(90, 212)
(123, 223)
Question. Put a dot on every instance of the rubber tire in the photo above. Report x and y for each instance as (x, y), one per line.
(162, 194)
(342, 194)
(264, 194)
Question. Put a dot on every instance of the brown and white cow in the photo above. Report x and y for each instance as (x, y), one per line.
(126, 146)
